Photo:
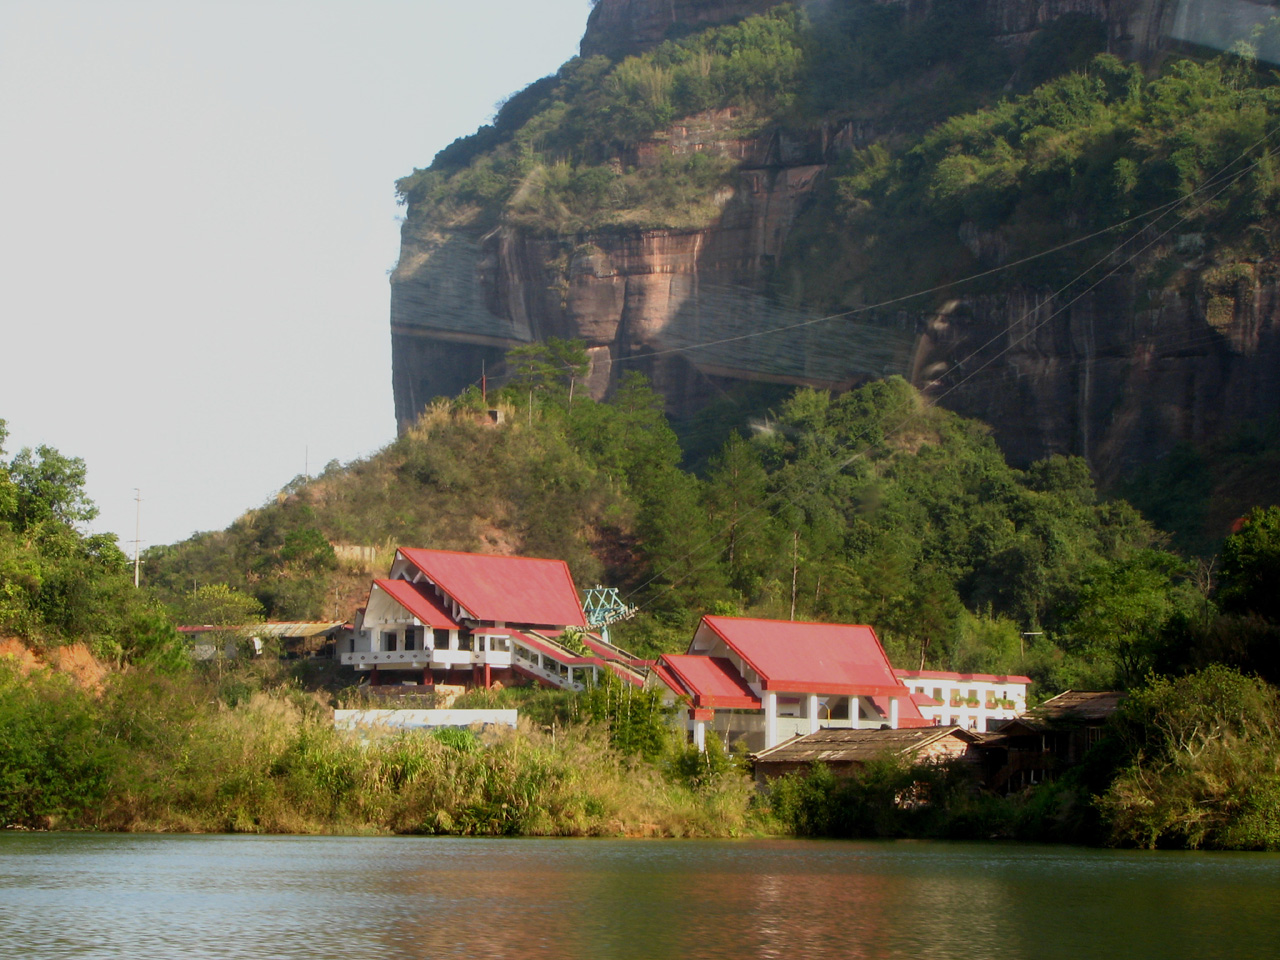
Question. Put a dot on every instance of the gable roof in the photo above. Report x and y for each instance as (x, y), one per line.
(419, 599)
(1072, 708)
(708, 681)
(802, 657)
(510, 589)
(858, 746)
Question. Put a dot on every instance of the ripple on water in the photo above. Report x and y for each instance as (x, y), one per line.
(93, 896)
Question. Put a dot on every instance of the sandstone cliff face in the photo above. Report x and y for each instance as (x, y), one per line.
(1112, 377)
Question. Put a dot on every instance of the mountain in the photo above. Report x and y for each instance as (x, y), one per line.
(708, 181)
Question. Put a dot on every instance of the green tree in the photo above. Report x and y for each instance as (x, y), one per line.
(1122, 609)
(552, 366)
(1251, 566)
(217, 604)
(49, 486)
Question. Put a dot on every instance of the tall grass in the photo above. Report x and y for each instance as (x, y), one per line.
(164, 755)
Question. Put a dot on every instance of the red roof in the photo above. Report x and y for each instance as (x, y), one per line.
(909, 714)
(962, 677)
(710, 681)
(924, 700)
(542, 645)
(510, 589)
(801, 657)
(420, 600)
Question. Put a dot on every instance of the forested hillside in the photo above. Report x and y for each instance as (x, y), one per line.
(869, 507)
(993, 203)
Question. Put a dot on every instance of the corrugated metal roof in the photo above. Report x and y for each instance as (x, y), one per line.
(271, 628)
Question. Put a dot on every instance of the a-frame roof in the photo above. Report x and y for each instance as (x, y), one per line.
(508, 589)
(419, 599)
(801, 657)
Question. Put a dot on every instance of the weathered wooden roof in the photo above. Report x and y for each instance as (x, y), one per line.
(858, 746)
(1072, 708)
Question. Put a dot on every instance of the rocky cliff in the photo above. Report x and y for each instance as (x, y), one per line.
(620, 27)
(1115, 376)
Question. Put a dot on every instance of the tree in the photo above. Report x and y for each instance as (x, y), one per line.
(49, 486)
(1251, 566)
(216, 604)
(1122, 608)
(737, 496)
(8, 492)
(551, 366)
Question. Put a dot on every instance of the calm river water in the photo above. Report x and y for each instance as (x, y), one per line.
(65, 895)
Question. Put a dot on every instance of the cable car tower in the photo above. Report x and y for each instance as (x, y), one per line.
(603, 606)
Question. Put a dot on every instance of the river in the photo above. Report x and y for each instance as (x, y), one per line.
(333, 898)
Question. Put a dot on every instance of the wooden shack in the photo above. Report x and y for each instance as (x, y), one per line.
(847, 751)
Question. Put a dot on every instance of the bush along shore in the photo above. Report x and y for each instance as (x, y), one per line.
(251, 751)
(1192, 762)
(1186, 763)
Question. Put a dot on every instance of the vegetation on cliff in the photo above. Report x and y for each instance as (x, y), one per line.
(558, 156)
(972, 153)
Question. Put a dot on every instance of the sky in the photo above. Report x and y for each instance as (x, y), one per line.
(198, 219)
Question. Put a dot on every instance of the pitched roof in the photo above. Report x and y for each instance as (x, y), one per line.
(810, 657)
(271, 628)
(708, 681)
(1073, 708)
(844, 746)
(511, 589)
(419, 599)
(949, 675)
(554, 649)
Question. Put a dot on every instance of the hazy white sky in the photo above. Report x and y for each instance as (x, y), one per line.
(197, 218)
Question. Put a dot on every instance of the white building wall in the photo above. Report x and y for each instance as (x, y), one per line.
(955, 695)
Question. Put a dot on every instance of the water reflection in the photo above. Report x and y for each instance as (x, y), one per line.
(400, 898)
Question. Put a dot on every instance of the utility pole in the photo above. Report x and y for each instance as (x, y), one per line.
(137, 536)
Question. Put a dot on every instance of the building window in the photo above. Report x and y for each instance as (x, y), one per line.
(388, 641)
(441, 639)
(411, 638)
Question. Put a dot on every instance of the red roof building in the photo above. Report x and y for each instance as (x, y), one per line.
(766, 680)
(471, 619)
(497, 589)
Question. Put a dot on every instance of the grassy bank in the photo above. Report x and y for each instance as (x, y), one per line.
(240, 753)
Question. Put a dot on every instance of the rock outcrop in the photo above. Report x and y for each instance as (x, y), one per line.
(1112, 376)
(620, 27)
